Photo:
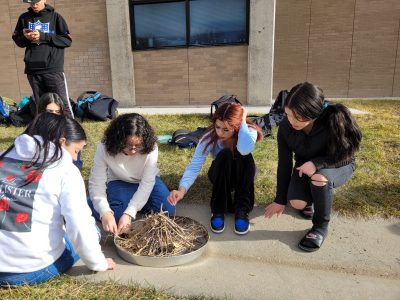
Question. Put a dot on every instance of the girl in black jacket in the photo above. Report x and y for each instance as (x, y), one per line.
(324, 138)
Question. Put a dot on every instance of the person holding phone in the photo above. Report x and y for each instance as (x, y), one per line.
(44, 34)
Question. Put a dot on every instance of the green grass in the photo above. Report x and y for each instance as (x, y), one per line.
(373, 191)
(66, 287)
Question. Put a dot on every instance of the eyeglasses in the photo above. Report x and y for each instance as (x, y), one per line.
(135, 148)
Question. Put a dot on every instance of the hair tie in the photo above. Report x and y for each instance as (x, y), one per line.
(325, 104)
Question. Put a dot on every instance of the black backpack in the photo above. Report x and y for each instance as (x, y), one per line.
(96, 106)
(187, 139)
(274, 116)
(222, 100)
(23, 115)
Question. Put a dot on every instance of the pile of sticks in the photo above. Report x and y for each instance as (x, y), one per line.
(159, 235)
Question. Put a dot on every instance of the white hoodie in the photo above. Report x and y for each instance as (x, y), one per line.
(32, 216)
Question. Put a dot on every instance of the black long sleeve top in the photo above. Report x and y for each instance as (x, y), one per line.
(46, 55)
(305, 147)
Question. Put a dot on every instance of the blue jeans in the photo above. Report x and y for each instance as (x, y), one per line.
(119, 193)
(61, 265)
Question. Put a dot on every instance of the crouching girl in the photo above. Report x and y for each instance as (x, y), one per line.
(125, 178)
(229, 139)
(324, 138)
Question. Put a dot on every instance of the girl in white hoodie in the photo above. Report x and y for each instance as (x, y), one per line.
(45, 223)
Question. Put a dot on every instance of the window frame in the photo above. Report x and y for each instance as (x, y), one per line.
(132, 4)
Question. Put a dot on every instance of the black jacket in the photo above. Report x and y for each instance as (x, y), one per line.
(46, 56)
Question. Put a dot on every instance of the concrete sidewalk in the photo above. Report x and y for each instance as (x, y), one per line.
(196, 109)
(360, 259)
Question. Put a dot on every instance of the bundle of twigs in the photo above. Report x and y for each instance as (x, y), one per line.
(159, 235)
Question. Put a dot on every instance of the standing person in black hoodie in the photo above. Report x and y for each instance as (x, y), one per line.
(44, 33)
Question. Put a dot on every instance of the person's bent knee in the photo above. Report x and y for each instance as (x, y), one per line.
(225, 153)
(318, 180)
(298, 204)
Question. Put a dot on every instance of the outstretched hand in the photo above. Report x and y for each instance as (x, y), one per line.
(108, 222)
(273, 209)
(176, 195)
(111, 264)
(124, 222)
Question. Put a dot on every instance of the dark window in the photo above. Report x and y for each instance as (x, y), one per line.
(217, 22)
(183, 23)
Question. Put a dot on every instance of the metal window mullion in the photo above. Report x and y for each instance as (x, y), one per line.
(187, 23)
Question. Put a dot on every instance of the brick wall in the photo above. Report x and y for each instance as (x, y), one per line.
(190, 76)
(350, 48)
(87, 62)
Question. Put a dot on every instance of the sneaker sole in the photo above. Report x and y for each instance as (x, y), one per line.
(217, 231)
(307, 249)
(242, 232)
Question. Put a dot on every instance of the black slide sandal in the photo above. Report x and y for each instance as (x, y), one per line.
(312, 241)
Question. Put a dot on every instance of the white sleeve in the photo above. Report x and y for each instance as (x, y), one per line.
(79, 223)
(146, 185)
(98, 181)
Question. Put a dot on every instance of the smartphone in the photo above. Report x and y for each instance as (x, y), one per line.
(26, 30)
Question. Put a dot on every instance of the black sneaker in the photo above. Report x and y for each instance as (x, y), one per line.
(217, 223)
(242, 223)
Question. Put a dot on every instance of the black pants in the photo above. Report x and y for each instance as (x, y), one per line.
(301, 188)
(232, 171)
(50, 83)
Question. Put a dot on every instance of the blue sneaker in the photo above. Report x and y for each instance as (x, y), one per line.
(242, 223)
(217, 223)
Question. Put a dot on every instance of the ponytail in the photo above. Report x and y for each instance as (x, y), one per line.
(344, 134)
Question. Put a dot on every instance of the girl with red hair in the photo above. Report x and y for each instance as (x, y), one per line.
(229, 139)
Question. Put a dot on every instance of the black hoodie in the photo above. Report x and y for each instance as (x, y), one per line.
(46, 56)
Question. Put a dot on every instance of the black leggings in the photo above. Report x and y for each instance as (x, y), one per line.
(232, 171)
(301, 188)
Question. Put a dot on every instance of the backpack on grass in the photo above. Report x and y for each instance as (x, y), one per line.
(274, 116)
(95, 106)
(18, 115)
(7, 107)
(222, 100)
(187, 139)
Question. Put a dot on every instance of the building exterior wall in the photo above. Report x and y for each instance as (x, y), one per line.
(190, 76)
(349, 48)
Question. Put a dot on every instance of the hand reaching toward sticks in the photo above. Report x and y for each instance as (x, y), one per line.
(176, 195)
(124, 222)
(108, 222)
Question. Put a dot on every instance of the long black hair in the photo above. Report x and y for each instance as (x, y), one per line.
(126, 125)
(48, 98)
(307, 102)
(51, 128)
